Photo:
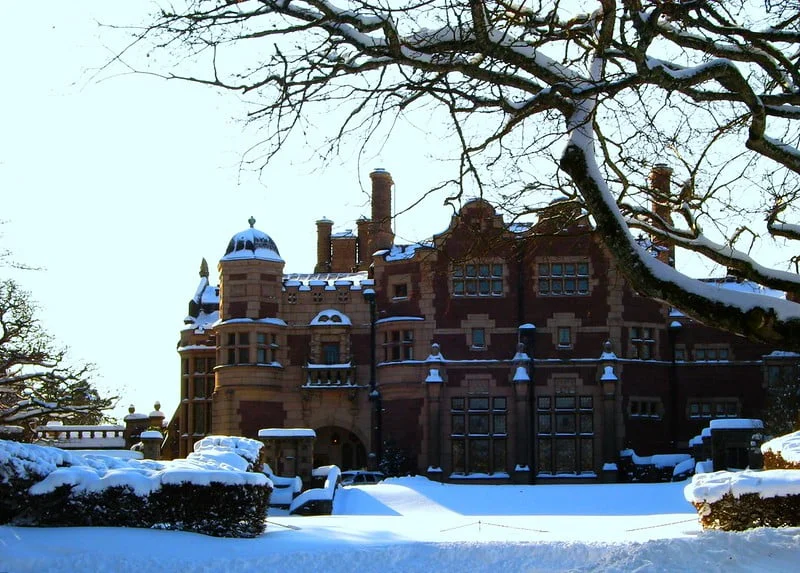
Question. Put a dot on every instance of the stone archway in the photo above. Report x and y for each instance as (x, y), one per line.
(339, 447)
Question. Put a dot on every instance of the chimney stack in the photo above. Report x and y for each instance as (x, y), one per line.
(660, 183)
(324, 227)
(381, 234)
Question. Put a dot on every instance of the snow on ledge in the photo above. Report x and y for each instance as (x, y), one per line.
(736, 423)
(287, 433)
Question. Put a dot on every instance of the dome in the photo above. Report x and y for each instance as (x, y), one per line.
(252, 244)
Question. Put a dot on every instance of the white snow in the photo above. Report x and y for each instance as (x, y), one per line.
(330, 317)
(736, 423)
(787, 446)
(287, 433)
(415, 525)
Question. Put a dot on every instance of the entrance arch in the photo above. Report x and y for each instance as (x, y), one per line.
(339, 447)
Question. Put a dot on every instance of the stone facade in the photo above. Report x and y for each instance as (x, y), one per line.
(501, 352)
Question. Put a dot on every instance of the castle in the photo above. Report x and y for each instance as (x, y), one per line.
(492, 352)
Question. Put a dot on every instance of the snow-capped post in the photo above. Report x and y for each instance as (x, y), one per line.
(609, 383)
(151, 444)
(434, 366)
(527, 338)
(374, 456)
(672, 334)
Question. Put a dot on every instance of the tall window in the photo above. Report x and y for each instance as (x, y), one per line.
(477, 279)
(266, 347)
(563, 279)
(478, 432)
(203, 377)
(642, 342)
(238, 348)
(478, 338)
(564, 337)
(565, 434)
(398, 345)
(330, 353)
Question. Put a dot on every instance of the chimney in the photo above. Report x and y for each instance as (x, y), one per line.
(381, 234)
(363, 258)
(660, 183)
(324, 227)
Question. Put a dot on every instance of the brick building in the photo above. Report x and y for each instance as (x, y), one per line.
(494, 351)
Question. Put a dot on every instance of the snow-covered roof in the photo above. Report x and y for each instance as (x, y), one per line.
(403, 252)
(330, 317)
(252, 244)
(354, 280)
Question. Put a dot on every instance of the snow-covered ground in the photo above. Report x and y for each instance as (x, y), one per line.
(412, 524)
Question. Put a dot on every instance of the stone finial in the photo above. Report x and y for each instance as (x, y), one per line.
(131, 409)
(203, 268)
(252, 221)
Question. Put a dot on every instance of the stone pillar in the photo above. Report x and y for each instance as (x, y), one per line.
(609, 384)
(151, 444)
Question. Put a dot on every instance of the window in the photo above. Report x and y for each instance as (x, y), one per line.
(291, 298)
(267, 348)
(199, 418)
(713, 408)
(330, 353)
(342, 296)
(478, 431)
(564, 434)
(564, 337)
(477, 279)
(238, 351)
(563, 278)
(478, 338)
(680, 353)
(400, 290)
(398, 345)
(316, 296)
(645, 408)
(709, 353)
(641, 343)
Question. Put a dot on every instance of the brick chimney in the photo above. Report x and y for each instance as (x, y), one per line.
(660, 183)
(363, 258)
(324, 227)
(381, 234)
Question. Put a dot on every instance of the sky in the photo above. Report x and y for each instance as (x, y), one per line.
(115, 186)
(412, 524)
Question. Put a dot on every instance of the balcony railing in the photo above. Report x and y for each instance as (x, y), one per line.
(330, 375)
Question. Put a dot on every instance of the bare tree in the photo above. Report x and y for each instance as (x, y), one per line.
(571, 97)
(36, 383)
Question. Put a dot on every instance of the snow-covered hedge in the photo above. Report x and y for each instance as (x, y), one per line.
(735, 501)
(209, 492)
(782, 453)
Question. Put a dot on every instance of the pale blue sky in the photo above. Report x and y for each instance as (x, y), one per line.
(117, 190)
